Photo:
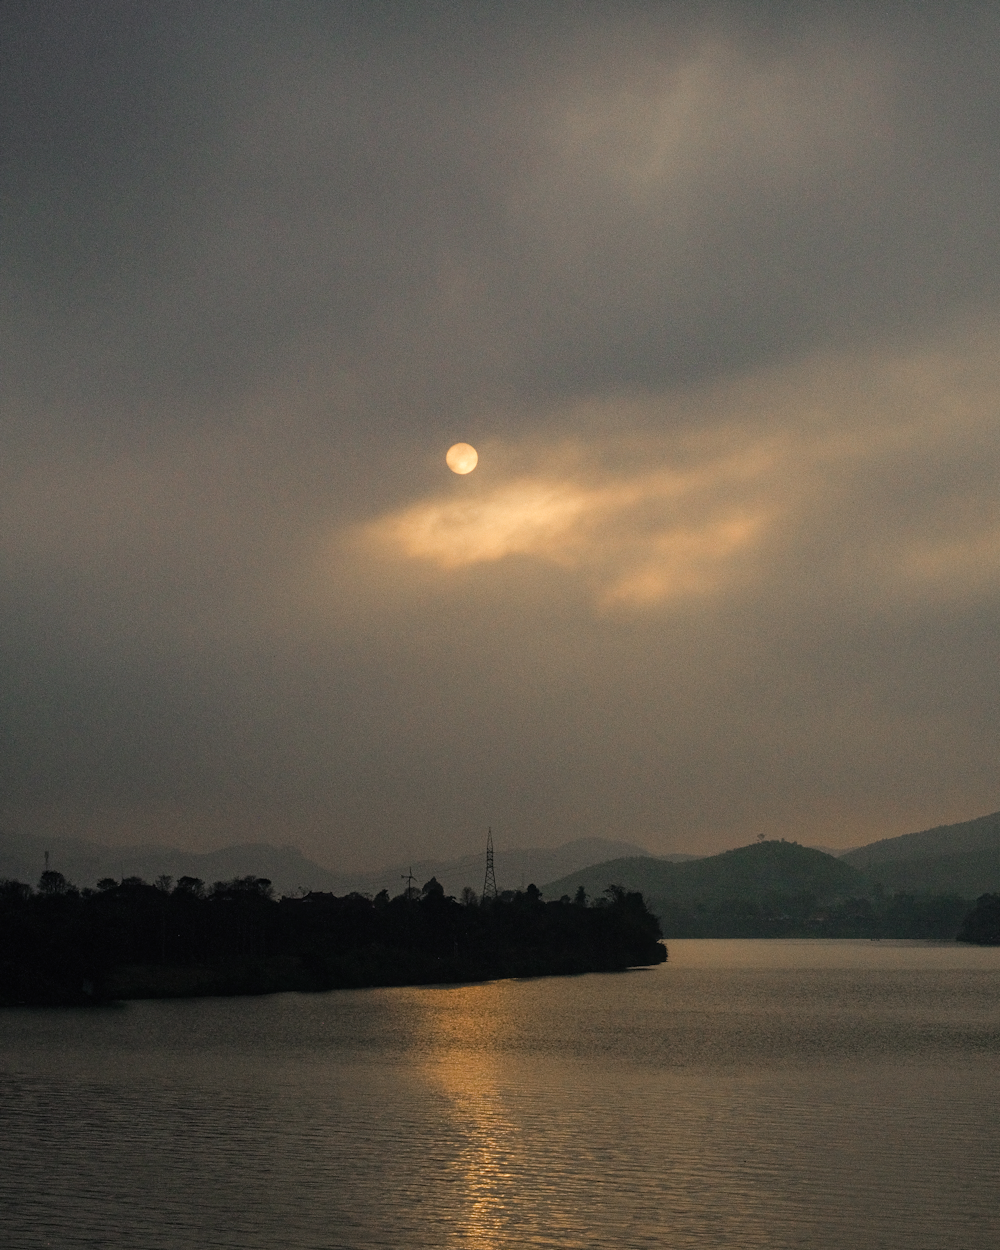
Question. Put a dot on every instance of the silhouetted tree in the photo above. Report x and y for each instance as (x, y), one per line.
(190, 885)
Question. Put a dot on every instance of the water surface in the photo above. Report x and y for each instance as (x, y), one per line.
(746, 1094)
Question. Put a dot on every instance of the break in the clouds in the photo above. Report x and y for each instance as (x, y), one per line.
(870, 475)
(712, 289)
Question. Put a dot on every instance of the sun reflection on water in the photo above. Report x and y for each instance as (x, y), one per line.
(507, 1172)
(461, 1061)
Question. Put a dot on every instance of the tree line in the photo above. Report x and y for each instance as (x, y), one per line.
(132, 938)
(801, 914)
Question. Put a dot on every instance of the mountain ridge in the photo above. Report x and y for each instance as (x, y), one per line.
(980, 833)
(753, 871)
(22, 857)
(771, 889)
(962, 858)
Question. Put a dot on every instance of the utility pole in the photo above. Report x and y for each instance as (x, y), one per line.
(490, 881)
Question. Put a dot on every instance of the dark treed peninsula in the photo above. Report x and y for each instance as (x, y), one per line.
(130, 939)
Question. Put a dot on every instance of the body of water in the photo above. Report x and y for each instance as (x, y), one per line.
(830, 1095)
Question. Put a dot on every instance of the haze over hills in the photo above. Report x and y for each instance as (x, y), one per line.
(751, 872)
(964, 858)
(980, 834)
(22, 857)
(970, 874)
(771, 889)
(515, 867)
(961, 860)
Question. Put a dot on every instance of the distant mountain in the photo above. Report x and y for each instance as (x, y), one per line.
(962, 859)
(761, 872)
(22, 858)
(969, 874)
(981, 834)
(515, 867)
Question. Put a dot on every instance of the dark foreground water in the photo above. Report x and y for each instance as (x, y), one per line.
(746, 1094)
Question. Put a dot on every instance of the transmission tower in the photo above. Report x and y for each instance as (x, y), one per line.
(490, 882)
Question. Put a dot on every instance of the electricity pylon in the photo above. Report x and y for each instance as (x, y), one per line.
(490, 881)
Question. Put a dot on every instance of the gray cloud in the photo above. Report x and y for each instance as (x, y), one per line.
(713, 290)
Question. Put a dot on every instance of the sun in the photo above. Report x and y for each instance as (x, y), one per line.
(462, 458)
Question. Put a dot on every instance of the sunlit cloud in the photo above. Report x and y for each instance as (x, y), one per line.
(688, 562)
(817, 473)
(638, 540)
(528, 517)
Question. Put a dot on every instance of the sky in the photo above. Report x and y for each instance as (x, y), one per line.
(713, 289)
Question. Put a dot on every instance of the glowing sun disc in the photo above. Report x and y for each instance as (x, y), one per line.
(462, 458)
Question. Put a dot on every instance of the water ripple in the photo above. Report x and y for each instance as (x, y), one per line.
(738, 1097)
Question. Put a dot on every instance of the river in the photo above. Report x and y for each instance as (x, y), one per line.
(821, 1094)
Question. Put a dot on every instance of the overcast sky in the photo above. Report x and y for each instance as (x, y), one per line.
(714, 289)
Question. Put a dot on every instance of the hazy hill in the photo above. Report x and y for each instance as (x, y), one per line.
(764, 872)
(962, 858)
(981, 834)
(970, 873)
(747, 872)
(515, 867)
(22, 857)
